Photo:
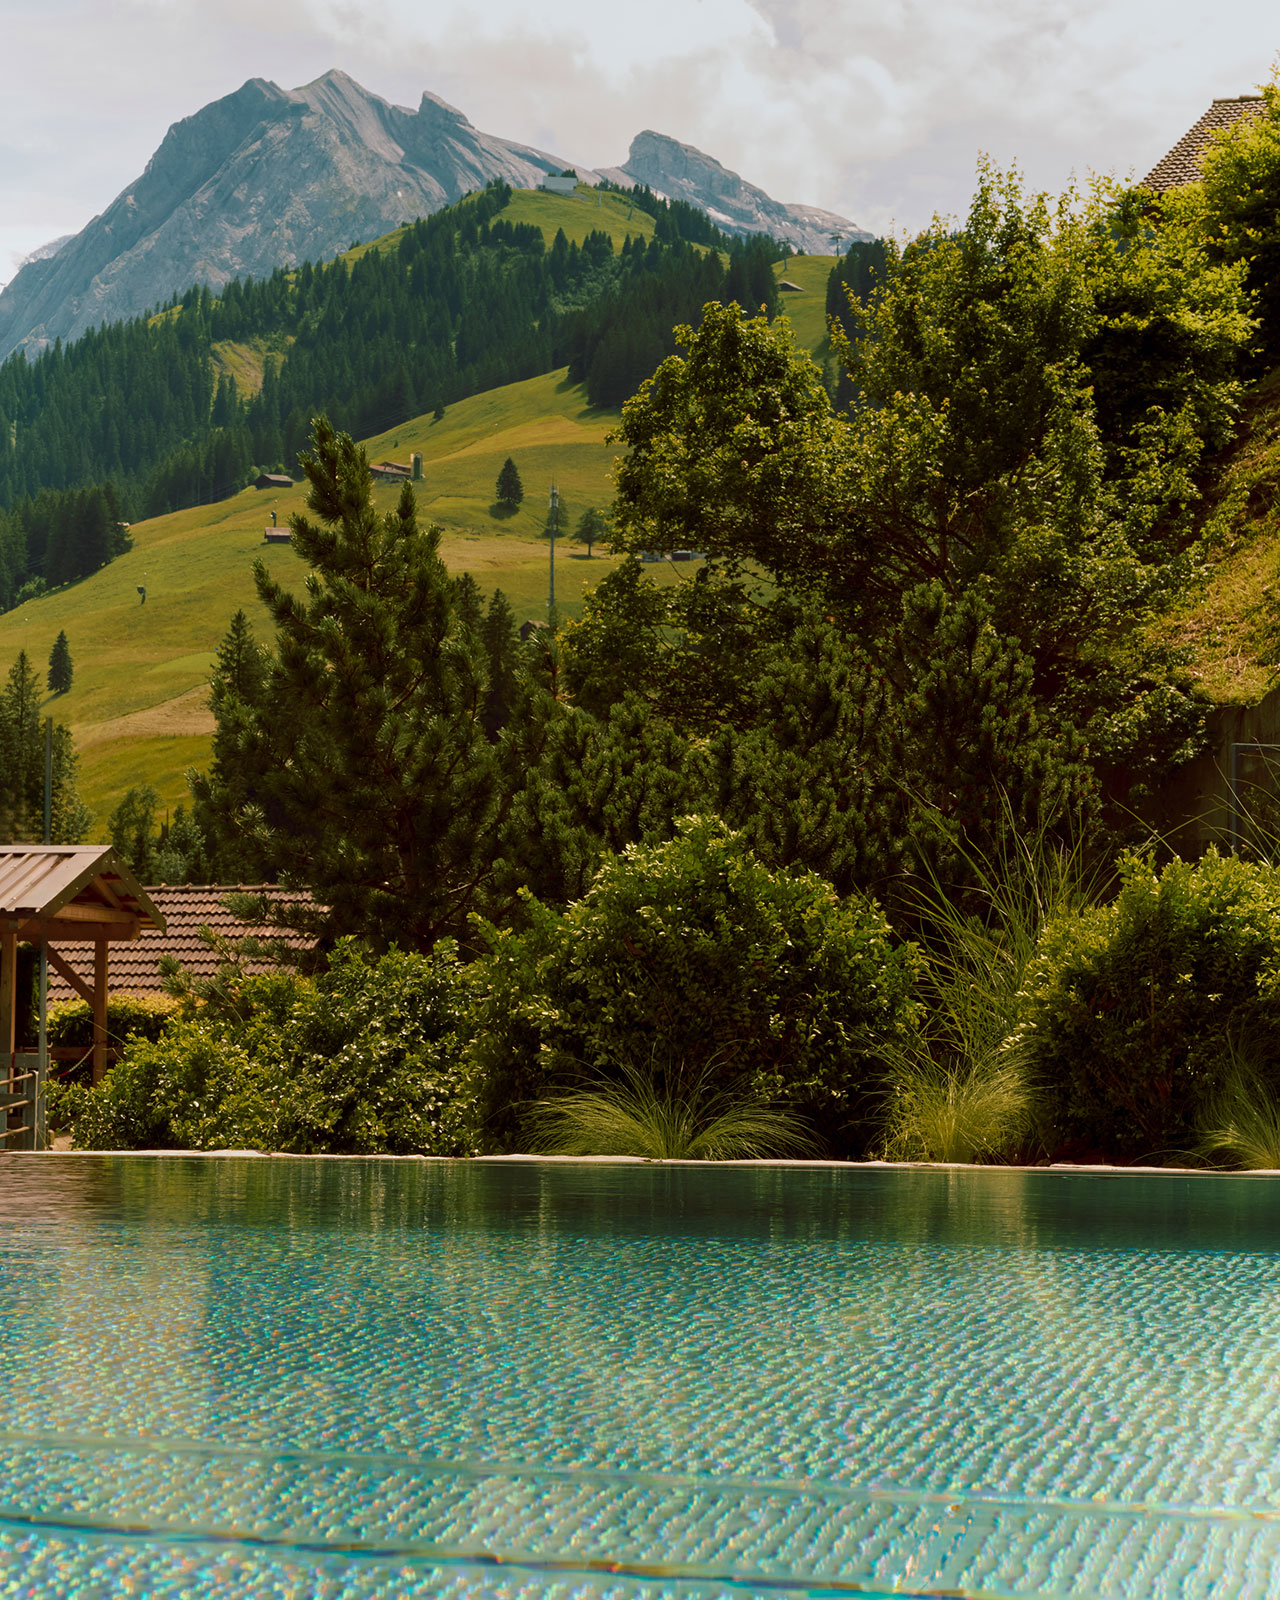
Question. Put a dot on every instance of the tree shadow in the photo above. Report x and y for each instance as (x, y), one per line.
(502, 510)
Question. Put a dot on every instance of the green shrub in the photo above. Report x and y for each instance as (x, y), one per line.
(1130, 1006)
(693, 962)
(1241, 196)
(142, 1016)
(366, 1059)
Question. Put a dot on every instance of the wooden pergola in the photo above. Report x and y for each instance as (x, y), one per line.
(53, 894)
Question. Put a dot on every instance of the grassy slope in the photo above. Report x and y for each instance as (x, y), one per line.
(807, 310)
(137, 707)
(1233, 629)
(137, 703)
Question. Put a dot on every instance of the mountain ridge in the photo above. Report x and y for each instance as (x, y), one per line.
(683, 172)
(267, 177)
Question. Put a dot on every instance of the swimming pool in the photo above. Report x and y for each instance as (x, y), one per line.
(287, 1377)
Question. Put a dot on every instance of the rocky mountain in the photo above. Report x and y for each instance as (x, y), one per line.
(268, 177)
(680, 172)
(265, 177)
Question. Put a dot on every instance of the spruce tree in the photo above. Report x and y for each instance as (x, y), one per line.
(22, 750)
(60, 665)
(510, 491)
(361, 770)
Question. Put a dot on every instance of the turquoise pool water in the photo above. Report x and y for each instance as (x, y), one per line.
(259, 1378)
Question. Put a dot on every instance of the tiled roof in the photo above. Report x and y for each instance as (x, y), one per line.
(1182, 164)
(135, 966)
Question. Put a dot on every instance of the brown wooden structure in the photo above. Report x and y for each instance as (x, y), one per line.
(64, 894)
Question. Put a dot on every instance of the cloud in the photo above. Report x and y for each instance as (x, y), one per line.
(877, 110)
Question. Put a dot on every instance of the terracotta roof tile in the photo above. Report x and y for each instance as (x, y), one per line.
(186, 908)
(1183, 163)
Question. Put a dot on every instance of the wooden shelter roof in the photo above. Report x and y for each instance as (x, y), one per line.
(71, 885)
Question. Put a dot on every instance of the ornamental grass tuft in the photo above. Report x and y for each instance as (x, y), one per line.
(643, 1114)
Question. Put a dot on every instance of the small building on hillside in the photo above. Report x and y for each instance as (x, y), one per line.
(273, 480)
(1184, 162)
(409, 471)
(560, 183)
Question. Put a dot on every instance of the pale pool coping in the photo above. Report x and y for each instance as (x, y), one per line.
(1058, 1168)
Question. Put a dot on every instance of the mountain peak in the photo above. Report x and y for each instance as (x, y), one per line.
(267, 177)
(683, 172)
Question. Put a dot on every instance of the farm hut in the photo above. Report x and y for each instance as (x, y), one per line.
(59, 895)
(273, 480)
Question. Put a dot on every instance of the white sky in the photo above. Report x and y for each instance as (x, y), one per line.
(877, 109)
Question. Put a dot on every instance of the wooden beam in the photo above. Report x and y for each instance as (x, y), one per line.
(99, 1010)
(107, 893)
(50, 930)
(68, 974)
(8, 996)
(76, 912)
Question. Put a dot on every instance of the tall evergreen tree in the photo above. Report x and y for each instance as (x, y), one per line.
(60, 664)
(510, 491)
(361, 769)
(22, 752)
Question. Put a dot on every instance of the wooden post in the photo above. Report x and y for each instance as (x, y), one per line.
(8, 995)
(99, 1009)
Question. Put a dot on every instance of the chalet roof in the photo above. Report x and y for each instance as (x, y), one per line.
(186, 908)
(1183, 163)
(44, 880)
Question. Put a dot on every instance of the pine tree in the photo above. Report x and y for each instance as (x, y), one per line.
(510, 491)
(22, 751)
(131, 830)
(361, 769)
(60, 665)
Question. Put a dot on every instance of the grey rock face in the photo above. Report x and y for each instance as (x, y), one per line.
(268, 177)
(680, 172)
(260, 179)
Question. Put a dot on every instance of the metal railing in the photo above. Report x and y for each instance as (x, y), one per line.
(22, 1105)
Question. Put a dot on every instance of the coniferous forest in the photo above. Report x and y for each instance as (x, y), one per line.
(131, 421)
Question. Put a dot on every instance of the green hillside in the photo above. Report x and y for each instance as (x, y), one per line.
(807, 309)
(588, 211)
(1232, 631)
(137, 703)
